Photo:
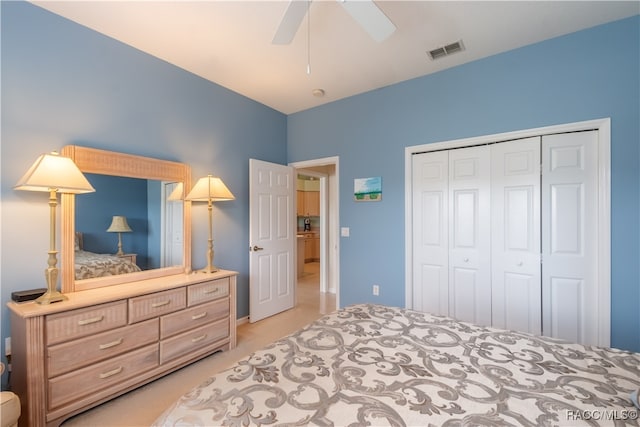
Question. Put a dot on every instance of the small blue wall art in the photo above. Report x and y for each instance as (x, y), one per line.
(367, 189)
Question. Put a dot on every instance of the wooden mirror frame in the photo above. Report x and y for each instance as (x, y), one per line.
(91, 160)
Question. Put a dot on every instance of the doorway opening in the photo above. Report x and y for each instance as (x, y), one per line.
(317, 229)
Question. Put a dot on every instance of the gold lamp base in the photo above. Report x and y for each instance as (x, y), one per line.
(51, 274)
(50, 297)
(211, 269)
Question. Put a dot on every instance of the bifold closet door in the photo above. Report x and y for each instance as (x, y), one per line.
(570, 236)
(451, 224)
(507, 235)
(430, 177)
(515, 235)
(470, 234)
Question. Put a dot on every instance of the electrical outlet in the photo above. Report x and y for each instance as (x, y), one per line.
(376, 290)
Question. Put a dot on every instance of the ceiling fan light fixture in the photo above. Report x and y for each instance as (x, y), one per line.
(318, 93)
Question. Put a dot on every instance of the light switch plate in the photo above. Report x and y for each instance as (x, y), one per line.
(344, 231)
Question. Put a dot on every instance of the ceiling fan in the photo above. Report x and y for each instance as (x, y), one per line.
(365, 12)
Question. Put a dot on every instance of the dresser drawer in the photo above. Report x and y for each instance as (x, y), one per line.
(193, 340)
(85, 321)
(77, 384)
(190, 318)
(154, 305)
(207, 291)
(73, 355)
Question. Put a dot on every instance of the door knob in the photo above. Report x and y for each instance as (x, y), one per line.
(520, 264)
(466, 260)
(256, 248)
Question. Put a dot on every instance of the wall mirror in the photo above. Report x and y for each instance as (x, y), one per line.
(135, 193)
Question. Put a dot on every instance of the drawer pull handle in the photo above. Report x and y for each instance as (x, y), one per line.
(110, 344)
(212, 291)
(160, 304)
(200, 338)
(198, 316)
(116, 371)
(90, 321)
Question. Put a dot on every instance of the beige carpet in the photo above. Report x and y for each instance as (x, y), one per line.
(142, 406)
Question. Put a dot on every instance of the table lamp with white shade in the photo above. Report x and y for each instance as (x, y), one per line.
(54, 174)
(210, 189)
(119, 225)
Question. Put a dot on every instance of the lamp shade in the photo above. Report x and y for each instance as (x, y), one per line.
(119, 225)
(54, 172)
(209, 188)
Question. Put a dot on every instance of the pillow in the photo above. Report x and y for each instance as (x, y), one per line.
(635, 398)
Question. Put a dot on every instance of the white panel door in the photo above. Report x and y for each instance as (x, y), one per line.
(431, 235)
(470, 234)
(173, 231)
(272, 239)
(570, 237)
(515, 228)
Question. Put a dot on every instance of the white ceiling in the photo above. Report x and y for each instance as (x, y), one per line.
(229, 42)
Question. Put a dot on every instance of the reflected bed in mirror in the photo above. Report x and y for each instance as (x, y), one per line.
(140, 189)
(152, 234)
(89, 265)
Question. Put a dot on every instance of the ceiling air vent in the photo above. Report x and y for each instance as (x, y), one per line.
(443, 51)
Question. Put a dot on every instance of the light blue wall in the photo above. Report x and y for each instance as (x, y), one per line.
(586, 75)
(65, 84)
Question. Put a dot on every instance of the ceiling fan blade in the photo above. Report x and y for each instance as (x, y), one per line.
(291, 21)
(370, 17)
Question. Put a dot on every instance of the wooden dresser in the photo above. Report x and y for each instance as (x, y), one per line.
(73, 355)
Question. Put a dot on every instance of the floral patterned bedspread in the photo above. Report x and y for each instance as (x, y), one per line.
(377, 365)
(89, 265)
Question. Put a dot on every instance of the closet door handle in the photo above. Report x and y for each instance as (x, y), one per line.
(256, 248)
(520, 264)
(466, 260)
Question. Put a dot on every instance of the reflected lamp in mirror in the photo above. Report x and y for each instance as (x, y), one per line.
(54, 174)
(210, 189)
(119, 225)
(177, 193)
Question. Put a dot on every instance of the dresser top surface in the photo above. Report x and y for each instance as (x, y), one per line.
(116, 292)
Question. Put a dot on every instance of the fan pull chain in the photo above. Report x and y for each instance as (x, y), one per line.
(308, 37)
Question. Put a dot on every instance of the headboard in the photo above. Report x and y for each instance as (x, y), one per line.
(79, 244)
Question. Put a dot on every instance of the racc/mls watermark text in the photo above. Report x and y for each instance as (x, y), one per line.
(604, 415)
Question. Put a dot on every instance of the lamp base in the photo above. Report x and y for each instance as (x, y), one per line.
(50, 297)
(212, 269)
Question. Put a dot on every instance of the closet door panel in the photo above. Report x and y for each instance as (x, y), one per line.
(569, 236)
(430, 225)
(566, 306)
(469, 234)
(515, 227)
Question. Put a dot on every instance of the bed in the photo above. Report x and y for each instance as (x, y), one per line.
(89, 265)
(375, 365)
